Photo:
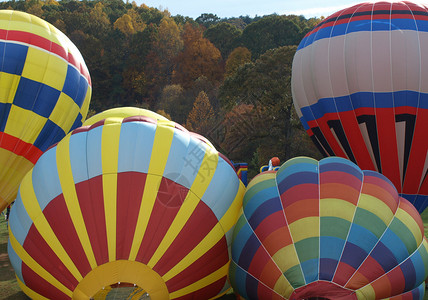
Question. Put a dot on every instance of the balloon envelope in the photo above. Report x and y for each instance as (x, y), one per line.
(45, 92)
(360, 87)
(122, 113)
(133, 200)
(327, 229)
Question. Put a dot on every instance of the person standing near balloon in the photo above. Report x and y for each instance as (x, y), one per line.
(273, 162)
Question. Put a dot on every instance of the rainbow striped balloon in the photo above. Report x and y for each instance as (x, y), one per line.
(327, 229)
(45, 90)
(133, 200)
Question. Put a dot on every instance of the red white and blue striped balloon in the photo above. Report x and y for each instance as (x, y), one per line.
(360, 86)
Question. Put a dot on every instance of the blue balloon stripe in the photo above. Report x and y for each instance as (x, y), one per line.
(250, 248)
(353, 255)
(365, 25)
(19, 220)
(384, 256)
(46, 179)
(409, 274)
(310, 270)
(136, 141)
(238, 278)
(266, 209)
(15, 260)
(240, 238)
(364, 100)
(224, 177)
(419, 259)
(393, 242)
(93, 151)
(298, 179)
(362, 237)
(253, 204)
(78, 159)
(331, 247)
(338, 164)
(298, 165)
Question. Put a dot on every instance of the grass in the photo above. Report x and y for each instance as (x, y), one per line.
(9, 289)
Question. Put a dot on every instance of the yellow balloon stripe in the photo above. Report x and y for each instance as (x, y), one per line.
(161, 146)
(232, 214)
(207, 243)
(333, 207)
(286, 258)
(122, 271)
(224, 225)
(29, 292)
(305, 228)
(147, 203)
(377, 207)
(199, 185)
(259, 178)
(33, 265)
(283, 287)
(411, 224)
(36, 215)
(213, 277)
(69, 192)
(186, 210)
(109, 158)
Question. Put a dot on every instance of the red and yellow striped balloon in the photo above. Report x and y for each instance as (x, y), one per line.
(133, 200)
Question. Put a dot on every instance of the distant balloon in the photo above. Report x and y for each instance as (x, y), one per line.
(329, 230)
(133, 200)
(45, 90)
(360, 87)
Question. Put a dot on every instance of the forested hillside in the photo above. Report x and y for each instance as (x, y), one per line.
(228, 79)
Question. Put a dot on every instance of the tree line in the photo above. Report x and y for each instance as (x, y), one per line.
(225, 78)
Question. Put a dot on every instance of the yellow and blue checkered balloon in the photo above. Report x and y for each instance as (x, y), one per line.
(45, 90)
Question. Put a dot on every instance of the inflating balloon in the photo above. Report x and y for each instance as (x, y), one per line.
(45, 90)
(360, 87)
(134, 200)
(329, 230)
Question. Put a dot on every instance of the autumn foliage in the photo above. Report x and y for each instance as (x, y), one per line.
(227, 79)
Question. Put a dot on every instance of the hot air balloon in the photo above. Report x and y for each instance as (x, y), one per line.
(122, 113)
(327, 230)
(45, 92)
(134, 200)
(360, 88)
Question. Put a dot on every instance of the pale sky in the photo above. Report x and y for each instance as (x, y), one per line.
(236, 8)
